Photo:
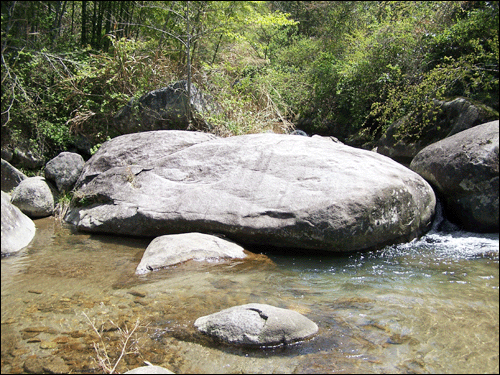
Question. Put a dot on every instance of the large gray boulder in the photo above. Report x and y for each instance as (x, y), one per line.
(464, 170)
(35, 197)
(64, 170)
(270, 189)
(166, 108)
(452, 117)
(11, 176)
(172, 249)
(257, 324)
(17, 229)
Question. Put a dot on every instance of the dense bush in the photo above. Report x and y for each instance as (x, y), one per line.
(337, 68)
(388, 60)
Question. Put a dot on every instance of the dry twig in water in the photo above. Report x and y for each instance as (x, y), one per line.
(103, 359)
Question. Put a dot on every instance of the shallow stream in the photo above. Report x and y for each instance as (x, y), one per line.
(429, 306)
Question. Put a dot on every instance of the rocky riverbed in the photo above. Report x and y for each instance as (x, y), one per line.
(428, 306)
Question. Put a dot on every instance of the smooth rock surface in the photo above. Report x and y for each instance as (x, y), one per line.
(464, 169)
(270, 189)
(17, 229)
(257, 324)
(172, 249)
(35, 197)
(149, 370)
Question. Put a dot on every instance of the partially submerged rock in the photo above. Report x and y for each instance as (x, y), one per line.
(464, 169)
(176, 248)
(269, 189)
(257, 324)
(17, 229)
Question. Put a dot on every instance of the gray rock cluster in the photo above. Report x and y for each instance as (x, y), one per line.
(312, 193)
(33, 197)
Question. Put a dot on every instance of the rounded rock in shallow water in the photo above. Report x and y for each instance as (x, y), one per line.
(172, 249)
(149, 370)
(257, 324)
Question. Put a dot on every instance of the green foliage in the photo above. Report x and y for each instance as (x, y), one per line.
(461, 61)
(336, 68)
(247, 100)
(107, 81)
(65, 198)
(33, 108)
(380, 61)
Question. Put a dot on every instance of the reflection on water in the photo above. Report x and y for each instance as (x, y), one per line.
(429, 306)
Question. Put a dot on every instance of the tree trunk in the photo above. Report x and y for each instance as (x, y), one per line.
(84, 23)
(72, 16)
(216, 49)
(56, 25)
(93, 39)
(188, 48)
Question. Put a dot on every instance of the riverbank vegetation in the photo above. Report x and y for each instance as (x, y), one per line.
(345, 68)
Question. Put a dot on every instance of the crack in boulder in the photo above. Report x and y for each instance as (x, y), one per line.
(261, 314)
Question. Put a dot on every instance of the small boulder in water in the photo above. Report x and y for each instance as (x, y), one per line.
(257, 324)
(172, 249)
(150, 369)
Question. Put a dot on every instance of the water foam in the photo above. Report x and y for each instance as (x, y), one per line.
(445, 239)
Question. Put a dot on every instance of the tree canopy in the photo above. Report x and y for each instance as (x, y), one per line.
(329, 67)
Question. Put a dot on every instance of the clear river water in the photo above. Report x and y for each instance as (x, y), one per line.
(428, 306)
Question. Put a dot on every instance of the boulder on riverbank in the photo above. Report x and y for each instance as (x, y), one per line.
(452, 117)
(464, 169)
(17, 229)
(24, 156)
(166, 108)
(11, 176)
(269, 189)
(35, 197)
(257, 324)
(172, 249)
(64, 170)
